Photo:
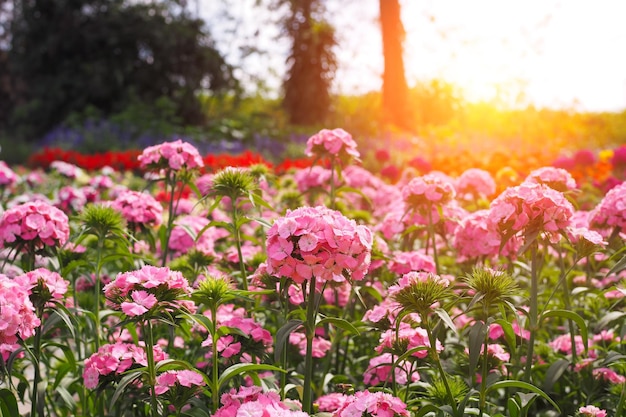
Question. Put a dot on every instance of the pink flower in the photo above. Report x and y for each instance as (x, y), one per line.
(48, 284)
(336, 143)
(71, 199)
(7, 176)
(65, 169)
(379, 371)
(320, 345)
(592, 411)
(186, 378)
(413, 337)
(404, 262)
(610, 213)
(608, 375)
(477, 236)
(320, 242)
(175, 155)
(116, 359)
(376, 404)
(135, 292)
(431, 189)
(252, 402)
(313, 177)
(475, 183)
(138, 208)
(531, 208)
(185, 235)
(555, 178)
(18, 317)
(36, 223)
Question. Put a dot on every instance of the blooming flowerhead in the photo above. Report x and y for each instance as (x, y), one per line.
(431, 189)
(591, 411)
(175, 156)
(253, 402)
(43, 285)
(18, 317)
(34, 223)
(475, 183)
(556, 178)
(374, 404)
(336, 143)
(137, 292)
(529, 209)
(610, 213)
(138, 208)
(7, 176)
(318, 242)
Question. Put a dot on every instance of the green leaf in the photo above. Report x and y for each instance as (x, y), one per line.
(257, 200)
(281, 337)
(242, 368)
(522, 385)
(618, 267)
(445, 317)
(509, 333)
(428, 408)
(513, 407)
(8, 404)
(341, 323)
(570, 315)
(124, 382)
(477, 335)
(408, 353)
(554, 373)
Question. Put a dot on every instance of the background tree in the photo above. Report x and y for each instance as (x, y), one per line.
(395, 91)
(70, 55)
(311, 63)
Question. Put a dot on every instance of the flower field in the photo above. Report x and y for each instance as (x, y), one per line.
(167, 283)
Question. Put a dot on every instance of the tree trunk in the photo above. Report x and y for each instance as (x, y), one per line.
(395, 100)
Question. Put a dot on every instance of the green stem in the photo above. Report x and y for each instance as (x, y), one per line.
(36, 353)
(237, 233)
(170, 180)
(309, 327)
(483, 381)
(215, 392)
(149, 345)
(332, 184)
(533, 313)
(431, 235)
(435, 355)
(97, 289)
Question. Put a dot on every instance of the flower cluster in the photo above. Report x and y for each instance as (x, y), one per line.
(66, 169)
(18, 319)
(611, 211)
(7, 176)
(431, 189)
(531, 208)
(138, 208)
(374, 404)
(336, 143)
(380, 369)
(475, 183)
(405, 338)
(170, 379)
(591, 411)
(555, 178)
(137, 292)
(175, 155)
(320, 242)
(36, 223)
(114, 359)
(251, 401)
(43, 284)
(71, 199)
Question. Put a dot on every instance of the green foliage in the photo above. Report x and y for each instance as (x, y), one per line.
(67, 55)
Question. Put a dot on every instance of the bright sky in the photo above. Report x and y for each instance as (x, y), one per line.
(566, 53)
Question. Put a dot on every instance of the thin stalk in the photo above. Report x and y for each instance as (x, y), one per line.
(309, 327)
(332, 184)
(215, 394)
(483, 381)
(97, 289)
(533, 314)
(170, 181)
(154, 403)
(435, 355)
(431, 235)
(237, 233)
(36, 353)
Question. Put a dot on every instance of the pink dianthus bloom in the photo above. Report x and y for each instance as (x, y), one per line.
(412, 337)
(18, 317)
(531, 208)
(71, 199)
(475, 183)
(136, 292)
(320, 345)
(175, 155)
(252, 402)
(66, 169)
(34, 223)
(336, 143)
(431, 189)
(313, 177)
(608, 375)
(591, 411)
(372, 404)
(185, 235)
(476, 236)
(138, 208)
(7, 176)
(556, 178)
(379, 371)
(330, 403)
(404, 262)
(610, 213)
(48, 284)
(116, 359)
(186, 378)
(318, 242)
